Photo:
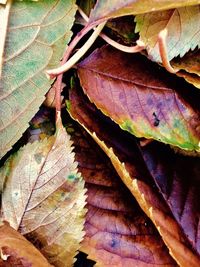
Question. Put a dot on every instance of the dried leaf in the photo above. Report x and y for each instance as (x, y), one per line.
(104, 10)
(177, 178)
(190, 63)
(141, 98)
(37, 35)
(182, 26)
(118, 233)
(190, 78)
(17, 251)
(126, 158)
(44, 197)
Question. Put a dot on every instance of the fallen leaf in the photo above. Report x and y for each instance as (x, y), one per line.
(36, 37)
(44, 197)
(126, 158)
(182, 26)
(141, 98)
(177, 178)
(190, 78)
(4, 14)
(189, 63)
(17, 251)
(118, 233)
(104, 10)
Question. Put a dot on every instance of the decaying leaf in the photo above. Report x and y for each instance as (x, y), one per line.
(104, 10)
(126, 158)
(177, 178)
(189, 63)
(37, 35)
(44, 197)
(141, 98)
(118, 233)
(182, 26)
(17, 251)
(190, 78)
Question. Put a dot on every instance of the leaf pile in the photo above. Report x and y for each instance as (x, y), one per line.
(115, 174)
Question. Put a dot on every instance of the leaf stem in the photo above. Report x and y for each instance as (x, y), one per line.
(66, 66)
(163, 51)
(128, 49)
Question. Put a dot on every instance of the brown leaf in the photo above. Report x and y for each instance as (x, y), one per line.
(44, 197)
(17, 251)
(189, 63)
(190, 78)
(143, 99)
(126, 158)
(118, 233)
(177, 178)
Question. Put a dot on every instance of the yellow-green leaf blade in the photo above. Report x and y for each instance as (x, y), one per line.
(37, 35)
(116, 8)
(44, 197)
(182, 25)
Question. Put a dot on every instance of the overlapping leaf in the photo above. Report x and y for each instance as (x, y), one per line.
(36, 36)
(104, 10)
(141, 98)
(182, 26)
(125, 157)
(177, 178)
(17, 251)
(44, 197)
(118, 233)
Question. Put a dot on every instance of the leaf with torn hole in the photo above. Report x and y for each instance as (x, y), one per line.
(182, 26)
(143, 99)
(17, 251)
(44, 197)
(126, 158)
(118, 233)
(36, 36)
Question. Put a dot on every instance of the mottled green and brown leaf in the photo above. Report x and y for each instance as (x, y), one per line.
(143, 99)
(44, 197)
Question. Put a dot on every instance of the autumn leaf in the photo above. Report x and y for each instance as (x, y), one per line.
(17, 251)
(177, 178)
(190, 78)
(44, 197)
(104, 10)
(141, 98)
(182, 27)
(36, 36)
(118, 233)
(123, 152)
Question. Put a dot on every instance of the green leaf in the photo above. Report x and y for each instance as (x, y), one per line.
(142, 99)
(36, 36)
(104, 10)
(182, 25)
(44, 197)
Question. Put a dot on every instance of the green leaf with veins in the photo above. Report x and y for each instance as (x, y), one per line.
(36, 37)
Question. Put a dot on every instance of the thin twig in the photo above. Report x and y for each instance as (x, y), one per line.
(163, 51)
(128, 49)
(75, 58)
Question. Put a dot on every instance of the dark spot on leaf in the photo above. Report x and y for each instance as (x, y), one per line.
(113, 243)
(38, 157)
(156, 120)
(71, 176)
